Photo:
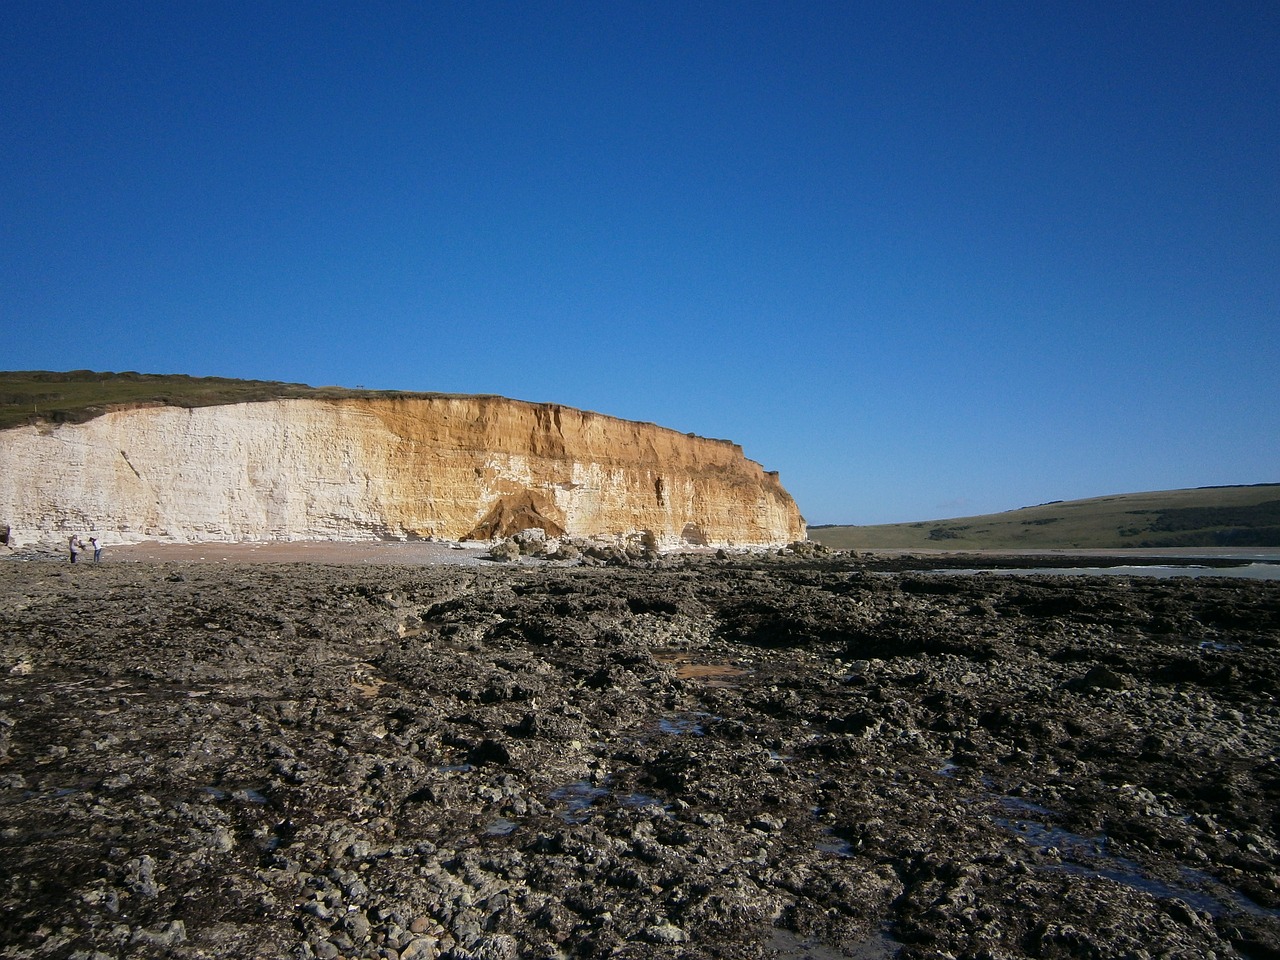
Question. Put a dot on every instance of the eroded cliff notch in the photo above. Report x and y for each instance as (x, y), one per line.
(523, 511)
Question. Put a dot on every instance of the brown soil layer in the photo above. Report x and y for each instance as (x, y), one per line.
(693, 757)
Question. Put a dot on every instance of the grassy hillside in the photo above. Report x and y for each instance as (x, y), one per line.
(34, 395)
(1245, 516)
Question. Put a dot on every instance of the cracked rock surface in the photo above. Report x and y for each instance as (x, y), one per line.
(699, 757)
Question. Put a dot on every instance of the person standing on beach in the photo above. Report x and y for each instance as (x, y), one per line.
(76, 546)
(97, 549)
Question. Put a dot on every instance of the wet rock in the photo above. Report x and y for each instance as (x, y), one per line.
(420, 948)
(665, 933)
(1102, 677)
(505, 551)
(491, 751)
(688, 757)
(140, 877)
(165, 935)
(492, 947)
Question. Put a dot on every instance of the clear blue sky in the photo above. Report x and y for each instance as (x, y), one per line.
(924, 259)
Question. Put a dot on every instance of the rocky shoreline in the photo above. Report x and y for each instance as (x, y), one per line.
(697, 756)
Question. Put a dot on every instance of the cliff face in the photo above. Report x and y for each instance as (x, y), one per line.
(452, 467)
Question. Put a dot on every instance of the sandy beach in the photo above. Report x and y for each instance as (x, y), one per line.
(304, 551)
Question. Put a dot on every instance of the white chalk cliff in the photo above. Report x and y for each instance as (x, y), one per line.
(395, 468)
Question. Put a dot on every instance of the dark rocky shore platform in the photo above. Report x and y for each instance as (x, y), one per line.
(693, 757)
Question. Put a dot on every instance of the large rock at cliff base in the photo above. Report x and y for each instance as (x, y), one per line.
(383, 468)
(524, 511)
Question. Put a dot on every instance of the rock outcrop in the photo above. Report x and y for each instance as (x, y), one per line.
(452, 467)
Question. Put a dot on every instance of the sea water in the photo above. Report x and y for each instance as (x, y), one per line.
(1256, 570)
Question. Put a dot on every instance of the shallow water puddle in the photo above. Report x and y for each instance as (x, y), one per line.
(368, 685)
(1217, 647)
(243, 794)
(579, 797)
(642, 800)
(785, 945)
(686, 724)
(835, 845)
(500, 827)
(711, 674)
(681, 726)
(1225, 894)
(1259, 570)
(582, 795)
(455, 768)
(1088, 857)
(56, 793)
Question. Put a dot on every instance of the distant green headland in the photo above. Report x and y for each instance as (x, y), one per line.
(1234, 516)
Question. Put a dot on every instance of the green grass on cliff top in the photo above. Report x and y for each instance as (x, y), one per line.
(32, 396)
(1239, 516)
(42, 396)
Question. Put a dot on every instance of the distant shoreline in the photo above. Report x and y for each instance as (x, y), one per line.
(473, 553)
(1243, 554)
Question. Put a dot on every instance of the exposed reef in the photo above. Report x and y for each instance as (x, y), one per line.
(690, 757)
